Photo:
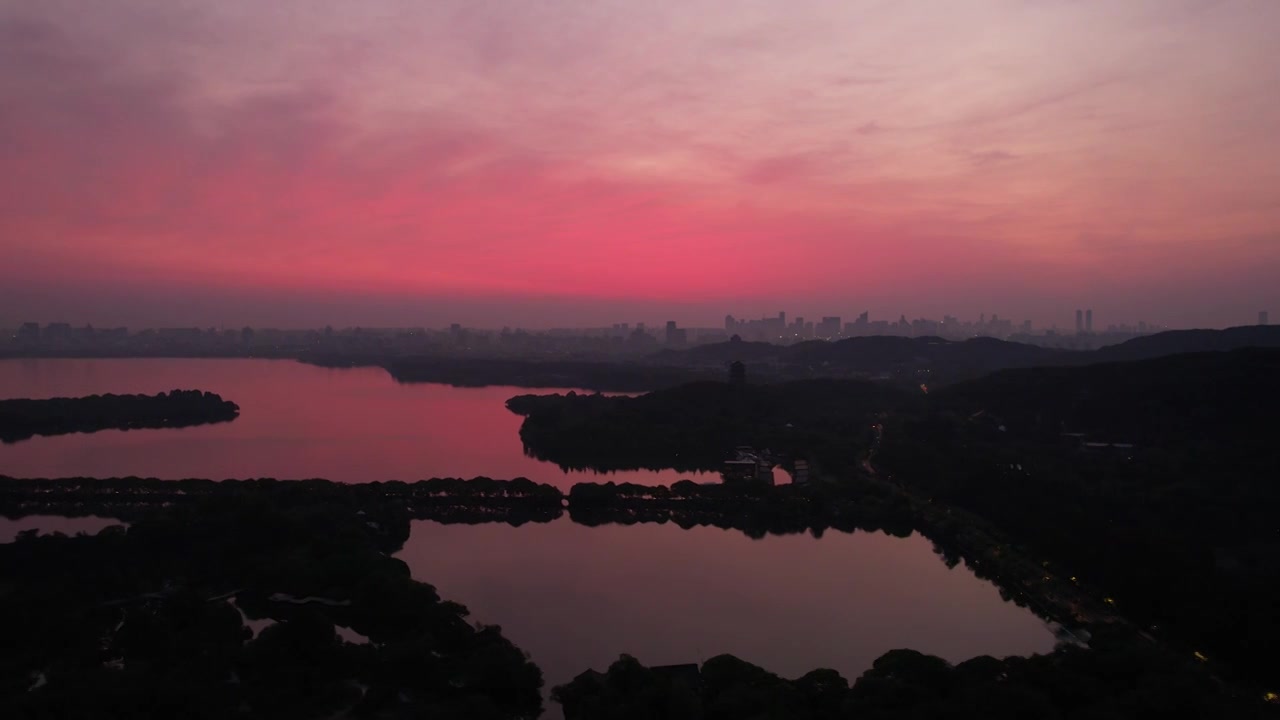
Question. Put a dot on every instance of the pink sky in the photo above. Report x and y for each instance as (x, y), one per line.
(563, 162)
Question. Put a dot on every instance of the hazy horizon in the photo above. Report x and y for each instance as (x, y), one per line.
(559, 164)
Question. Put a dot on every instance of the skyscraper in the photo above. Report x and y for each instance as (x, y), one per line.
(737, 374)
(1079, 321)
(676, 337)
(1262, 317)
(1088, 321)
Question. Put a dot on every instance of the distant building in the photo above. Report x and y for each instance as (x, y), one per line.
(764, 470)
(1262, 317)
(739, 470)
(1079, 321)
(737, 373)
(859, 327)
(57, 331)
(801, 474)
(641, 340)
(29, 331)
(1088, 321)
(748, 466)
(676, 337)
(829, 327)
(179, 333)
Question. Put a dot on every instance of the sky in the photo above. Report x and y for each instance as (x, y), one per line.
(585, 162)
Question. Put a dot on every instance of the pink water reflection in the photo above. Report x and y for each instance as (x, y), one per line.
(574, 597)
(49, 524)
(296, 421)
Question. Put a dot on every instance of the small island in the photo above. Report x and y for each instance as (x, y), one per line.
(21, 419)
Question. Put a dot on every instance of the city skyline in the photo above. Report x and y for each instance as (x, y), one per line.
(790, 324)
(618, 340)
(401, 163)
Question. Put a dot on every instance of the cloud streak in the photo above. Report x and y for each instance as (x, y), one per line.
(661, 156)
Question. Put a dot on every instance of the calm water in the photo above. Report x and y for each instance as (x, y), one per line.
(296, 421)
(48, 524)
(574, 597)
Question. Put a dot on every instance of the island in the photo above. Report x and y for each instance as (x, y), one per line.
(21, 419)
(444, 500)
(694, 426)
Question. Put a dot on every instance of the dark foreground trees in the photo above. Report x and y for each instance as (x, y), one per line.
(152, 622)
(1117, 678)
(1152, 482)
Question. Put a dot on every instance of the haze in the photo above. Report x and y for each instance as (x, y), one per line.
(391, 162)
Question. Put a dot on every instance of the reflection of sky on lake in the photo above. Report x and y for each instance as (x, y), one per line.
(296, 421)
(574, 597)
(49, 524)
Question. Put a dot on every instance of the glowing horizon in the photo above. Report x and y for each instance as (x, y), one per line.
(561, 163)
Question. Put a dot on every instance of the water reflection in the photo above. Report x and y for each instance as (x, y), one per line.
(296, 421)
(575, 597)
(49, 524)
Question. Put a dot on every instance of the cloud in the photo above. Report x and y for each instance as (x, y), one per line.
(623, 153)
(858, 81)
(780, 168)
(990, 157)
(118, 172)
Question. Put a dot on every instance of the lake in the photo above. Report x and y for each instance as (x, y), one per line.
(48, 524)
(296, 421)
(573, 596)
